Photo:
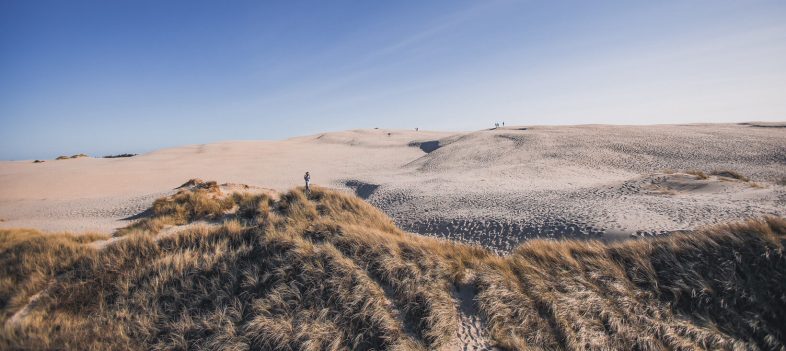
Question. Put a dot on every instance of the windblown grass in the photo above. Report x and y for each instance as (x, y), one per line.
(29, 259)
(718, 289)
(730, 174)
(202, 201)
(327, 271)
(698, 174)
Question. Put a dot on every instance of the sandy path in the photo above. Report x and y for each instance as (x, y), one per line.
(471, 335)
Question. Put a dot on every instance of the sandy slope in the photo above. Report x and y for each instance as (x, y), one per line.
(494, 187)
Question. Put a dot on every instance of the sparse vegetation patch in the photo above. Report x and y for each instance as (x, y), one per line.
(120, 155)
(698, 174)
(71, 157)
(730, 174)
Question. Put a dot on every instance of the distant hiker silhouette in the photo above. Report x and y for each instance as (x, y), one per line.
(307, 178)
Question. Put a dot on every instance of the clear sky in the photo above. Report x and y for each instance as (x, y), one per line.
(104, 77)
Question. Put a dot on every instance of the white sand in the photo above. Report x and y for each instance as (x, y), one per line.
(494, 187)
(471, 335)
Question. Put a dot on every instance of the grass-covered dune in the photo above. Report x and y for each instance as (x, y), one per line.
(327, 271)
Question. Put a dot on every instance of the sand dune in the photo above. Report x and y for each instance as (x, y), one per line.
(208, 269)
(494, 187)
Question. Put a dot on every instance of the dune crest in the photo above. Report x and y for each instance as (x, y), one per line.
(327, 271)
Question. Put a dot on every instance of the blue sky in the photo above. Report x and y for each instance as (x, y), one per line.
(104, 77)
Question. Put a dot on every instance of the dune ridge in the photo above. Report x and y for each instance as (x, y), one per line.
(209, 269)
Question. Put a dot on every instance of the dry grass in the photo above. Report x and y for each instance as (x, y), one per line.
(719, 289)
(698, 174)
(70, 157)
(327, 271)
(730, 174)
(724, 174)
(202, 201)
(120, 155)
(30, 259)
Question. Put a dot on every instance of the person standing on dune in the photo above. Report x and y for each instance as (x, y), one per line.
(307, 178)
